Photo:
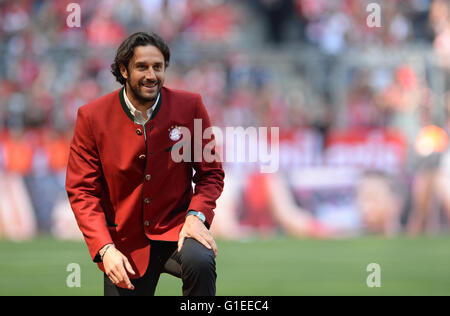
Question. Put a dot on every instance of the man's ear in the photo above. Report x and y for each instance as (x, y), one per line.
(123, 71)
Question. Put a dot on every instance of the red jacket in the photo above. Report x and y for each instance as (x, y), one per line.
(124, 187)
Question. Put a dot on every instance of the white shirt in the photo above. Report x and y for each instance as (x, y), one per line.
(138, 117)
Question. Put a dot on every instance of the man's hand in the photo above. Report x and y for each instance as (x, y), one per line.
(116, 267)
(194, 228)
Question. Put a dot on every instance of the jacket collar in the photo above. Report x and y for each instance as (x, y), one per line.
(127, 110)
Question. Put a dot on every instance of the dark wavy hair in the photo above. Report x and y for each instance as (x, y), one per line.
(126, 50)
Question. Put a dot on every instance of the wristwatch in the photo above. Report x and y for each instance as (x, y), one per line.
(105, 248)
(200, 215)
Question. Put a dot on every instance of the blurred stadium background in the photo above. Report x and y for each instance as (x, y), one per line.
(363, 118)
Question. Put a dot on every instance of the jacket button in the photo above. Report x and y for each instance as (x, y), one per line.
(147, 223)
(142, 157)
(138, 131)
(147, 200)
(148, 177)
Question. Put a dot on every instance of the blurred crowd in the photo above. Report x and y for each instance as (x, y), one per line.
(242, 57)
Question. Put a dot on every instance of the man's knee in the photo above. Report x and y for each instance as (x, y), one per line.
(196, 258)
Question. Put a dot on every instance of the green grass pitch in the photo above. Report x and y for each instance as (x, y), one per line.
(272, 267)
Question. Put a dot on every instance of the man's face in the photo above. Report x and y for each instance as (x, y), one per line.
(145, 75)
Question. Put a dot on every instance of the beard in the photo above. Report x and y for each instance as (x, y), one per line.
(139, 93)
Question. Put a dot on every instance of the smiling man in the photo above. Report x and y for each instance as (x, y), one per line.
(135, 206)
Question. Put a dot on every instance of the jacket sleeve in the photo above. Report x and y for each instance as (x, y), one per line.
(84, 182)
(209, 175)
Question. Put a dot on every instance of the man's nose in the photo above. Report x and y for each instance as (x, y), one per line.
(150, 75)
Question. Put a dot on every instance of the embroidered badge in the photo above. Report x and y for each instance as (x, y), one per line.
(174, 133)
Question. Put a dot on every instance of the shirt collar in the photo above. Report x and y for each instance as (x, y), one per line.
(138, 117)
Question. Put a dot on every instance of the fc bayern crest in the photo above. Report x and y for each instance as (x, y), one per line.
(175, 133)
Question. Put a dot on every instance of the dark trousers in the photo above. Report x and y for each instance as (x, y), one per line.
(194, 264)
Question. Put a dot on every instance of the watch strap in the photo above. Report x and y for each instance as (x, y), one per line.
(200, 215)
